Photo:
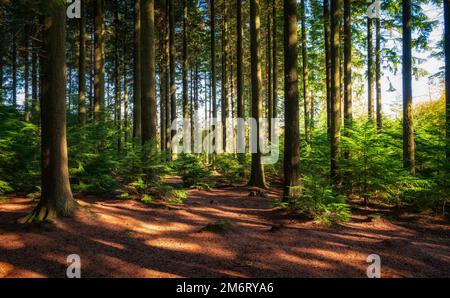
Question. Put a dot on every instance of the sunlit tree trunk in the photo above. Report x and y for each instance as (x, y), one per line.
(269, 87)
(274, 59)
(336, 16)
(291, 101)
(408, 128)
(240, 138)
(347, 64)
(224, 90)
(173, 90)
(185, 72)
(213, 74)
(257, 171)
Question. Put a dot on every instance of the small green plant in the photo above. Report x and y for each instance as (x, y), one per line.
(4, 187)
(229, 167)
(191, 170)
(147, 199)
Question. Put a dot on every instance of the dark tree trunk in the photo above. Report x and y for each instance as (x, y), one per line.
(82, 67)
(370, 93)
(117, 85)
(166, 65)
(56, 199)
(306, 99)
(447, 73)
(347, 64)
(34, 81)
(257, 171)
(224, 89)
(326, 23)
(291, 101)
(213, 73)
(137, 120)
(173, 90)
(14, 71)
(99, 73)
(274, 59)
(26, 74)
(269, 71)
(408, 129)
(240, 84)
(148, 88)
(378, 73)
(336, 16)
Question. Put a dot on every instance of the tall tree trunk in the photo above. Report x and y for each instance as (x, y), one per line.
(378, 73)
(274, 59)
(185, 77)
(240, 84)
(99, 72)
(257, 171)
(447, 73)
(408, 129)
(162, 93)
(148, 104)
(34, 80)
(137, 120)
(14, 71)
(336, 16)
(370, 93)
(56, 199)
(26, 75)
(269, 71)
(306, 99)
(327, 41)
(82, 67)
(213, 75)
(291, 101)
(224, 89)
(347, 64)
(125, 93)
(117, 84)
(173, 90)
(167, 109)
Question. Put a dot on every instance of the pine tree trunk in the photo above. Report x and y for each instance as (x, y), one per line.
(347, 64)
(378, 73)
(99, 73)
(408, 129)
(148, 88)
(291, 101)
(137, 113)
(224, 89)
(370, 93)
(274, 60)
(240, 138)
(34, 81)
(327, 40)
(56, 199)
(14, 71)
(336, 16)
(82, 67)
(166, 64)
(447, 73)
(306, 100)
(257, 171)
(213, 76)
(269, 71)
(173, 95)
(26, 73)
(117, 90)
(185, 77)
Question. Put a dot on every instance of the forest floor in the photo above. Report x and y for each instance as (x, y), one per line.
(126, 238)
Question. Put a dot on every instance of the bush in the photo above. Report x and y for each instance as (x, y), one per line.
(229, 167)
(191, 170)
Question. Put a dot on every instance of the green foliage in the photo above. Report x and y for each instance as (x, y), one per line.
(229, 167)
(4, 187)
(191, 170)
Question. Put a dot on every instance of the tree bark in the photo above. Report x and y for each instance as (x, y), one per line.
(82, 67)
(56, 199)
(269, 71)
(274, 59)
(14, 71)
(306, 99)
(99, 72)
(447, 73)
(213, 75)
(137, 113)
(185, 76)
(326, 23)
(224, 89)
(257, 171)
(370, 93)
(26, 73)
(117, 90)
(148, 88)
(173, 94)
(347, 64)
(378, 73)
(291, 101)
(336, 16)
(408, 128)
(240, 84)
